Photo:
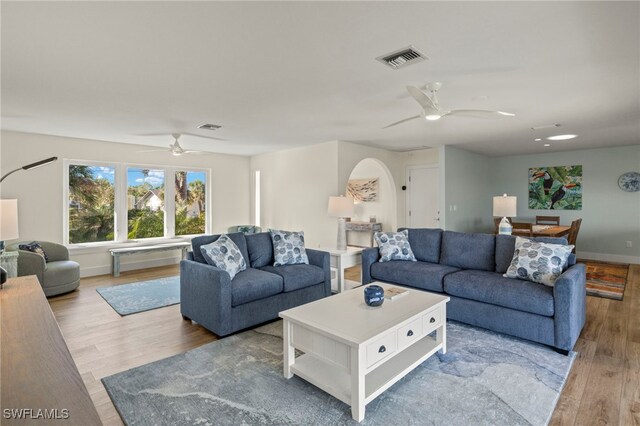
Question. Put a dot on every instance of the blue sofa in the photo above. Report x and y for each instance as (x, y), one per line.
(209, 297)
(469, 267)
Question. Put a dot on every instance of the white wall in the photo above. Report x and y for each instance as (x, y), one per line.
(40, 191)
(468, 192)
(296, 185)
(610, 216)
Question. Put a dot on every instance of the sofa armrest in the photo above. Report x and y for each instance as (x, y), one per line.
(322, 259)
(30, 263)
(570, 299)
(190, 255)
(205, 295)
(54, 251)
(369, 257)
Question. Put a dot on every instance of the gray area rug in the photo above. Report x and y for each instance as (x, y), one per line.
(484, 379)
(142, 296)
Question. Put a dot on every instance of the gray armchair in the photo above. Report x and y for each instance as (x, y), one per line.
(58, 275)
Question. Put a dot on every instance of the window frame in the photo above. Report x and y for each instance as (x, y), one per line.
(120, 203)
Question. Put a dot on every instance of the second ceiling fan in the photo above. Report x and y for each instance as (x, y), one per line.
(431, 109)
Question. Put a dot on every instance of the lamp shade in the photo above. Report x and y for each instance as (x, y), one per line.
(505, 206)
(340, 207)
(8, 220)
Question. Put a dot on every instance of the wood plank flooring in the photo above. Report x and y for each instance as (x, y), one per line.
(603, 386)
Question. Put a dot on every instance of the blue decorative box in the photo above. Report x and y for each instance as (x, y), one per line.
(373, 295)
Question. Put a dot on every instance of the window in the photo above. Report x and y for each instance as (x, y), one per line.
(145, 203)
(91, 203)
(257, 198)
(113, 202)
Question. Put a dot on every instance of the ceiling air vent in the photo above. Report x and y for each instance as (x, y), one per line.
(403, 57)
(209, 126)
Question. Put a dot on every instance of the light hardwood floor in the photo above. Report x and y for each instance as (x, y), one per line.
(603, 386)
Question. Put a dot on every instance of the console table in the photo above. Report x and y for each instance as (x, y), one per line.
(369, 227)
(37, 370)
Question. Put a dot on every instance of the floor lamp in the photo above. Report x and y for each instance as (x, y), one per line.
(31, 166)
(8, 228)
(341, 207)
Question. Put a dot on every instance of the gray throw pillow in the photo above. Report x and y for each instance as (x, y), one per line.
(288, 248)
(538, 262)
(223, 253)
(394, 246)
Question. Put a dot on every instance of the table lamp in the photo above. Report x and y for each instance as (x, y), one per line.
(505, 206)
(8, 228)
(341, 207)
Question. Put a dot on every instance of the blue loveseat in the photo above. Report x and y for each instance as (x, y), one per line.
(469, 267)
(222, 305)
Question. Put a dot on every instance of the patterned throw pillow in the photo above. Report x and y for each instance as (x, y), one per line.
(288, 248)
(223, 253)
(538, 262)
(34, 247)
(394, 246)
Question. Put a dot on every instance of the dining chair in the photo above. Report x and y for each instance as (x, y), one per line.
(522, 228)
(548, 220)
(573, 233)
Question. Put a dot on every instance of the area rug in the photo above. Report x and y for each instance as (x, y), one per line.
(142, 296)
(606, 279)
(484, 379)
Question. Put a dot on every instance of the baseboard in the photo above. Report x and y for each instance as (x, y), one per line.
(604, 257)
(131, 266)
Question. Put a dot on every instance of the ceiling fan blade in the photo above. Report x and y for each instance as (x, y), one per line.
(422, 98)
(479, 113)
(402, 121)
(154, 150)
(191, 151)
(205, 137)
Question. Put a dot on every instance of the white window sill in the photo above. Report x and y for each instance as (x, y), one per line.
(103, 247)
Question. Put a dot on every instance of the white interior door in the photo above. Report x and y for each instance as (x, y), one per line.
(422, 197)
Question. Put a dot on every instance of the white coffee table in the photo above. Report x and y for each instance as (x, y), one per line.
(355, 352)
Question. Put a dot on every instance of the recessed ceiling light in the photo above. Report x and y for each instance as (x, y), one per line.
(561, 137)
(547, 144)
(537, 139)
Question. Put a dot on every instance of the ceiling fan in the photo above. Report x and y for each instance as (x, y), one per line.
(175, 148)
(431, 109)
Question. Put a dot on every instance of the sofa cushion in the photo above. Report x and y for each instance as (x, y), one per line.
(223, 253)
(425, 243)
(423, 275)
(493, 288)
(236, 237)
(297, 276)
(288, 248)
(254, 284)
(505, 246)
(468, 251)
(394, 246)
(260, 249)
(61, 272)
(538, 262)
(34, 247)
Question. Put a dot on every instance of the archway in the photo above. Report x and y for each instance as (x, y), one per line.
(383, 207)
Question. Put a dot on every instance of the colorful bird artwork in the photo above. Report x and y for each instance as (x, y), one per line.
(555, 188)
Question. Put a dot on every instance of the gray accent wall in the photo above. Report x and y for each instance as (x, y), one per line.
(610, 216)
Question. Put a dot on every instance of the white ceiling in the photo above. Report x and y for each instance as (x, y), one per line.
(279, 75)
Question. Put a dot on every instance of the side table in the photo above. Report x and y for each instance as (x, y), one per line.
(341, 260)
(9, 261)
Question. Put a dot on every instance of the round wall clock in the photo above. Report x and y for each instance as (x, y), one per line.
(629, 182)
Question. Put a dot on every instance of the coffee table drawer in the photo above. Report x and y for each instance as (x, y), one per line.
(381, 348)
(432, 320)
(409, 333)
